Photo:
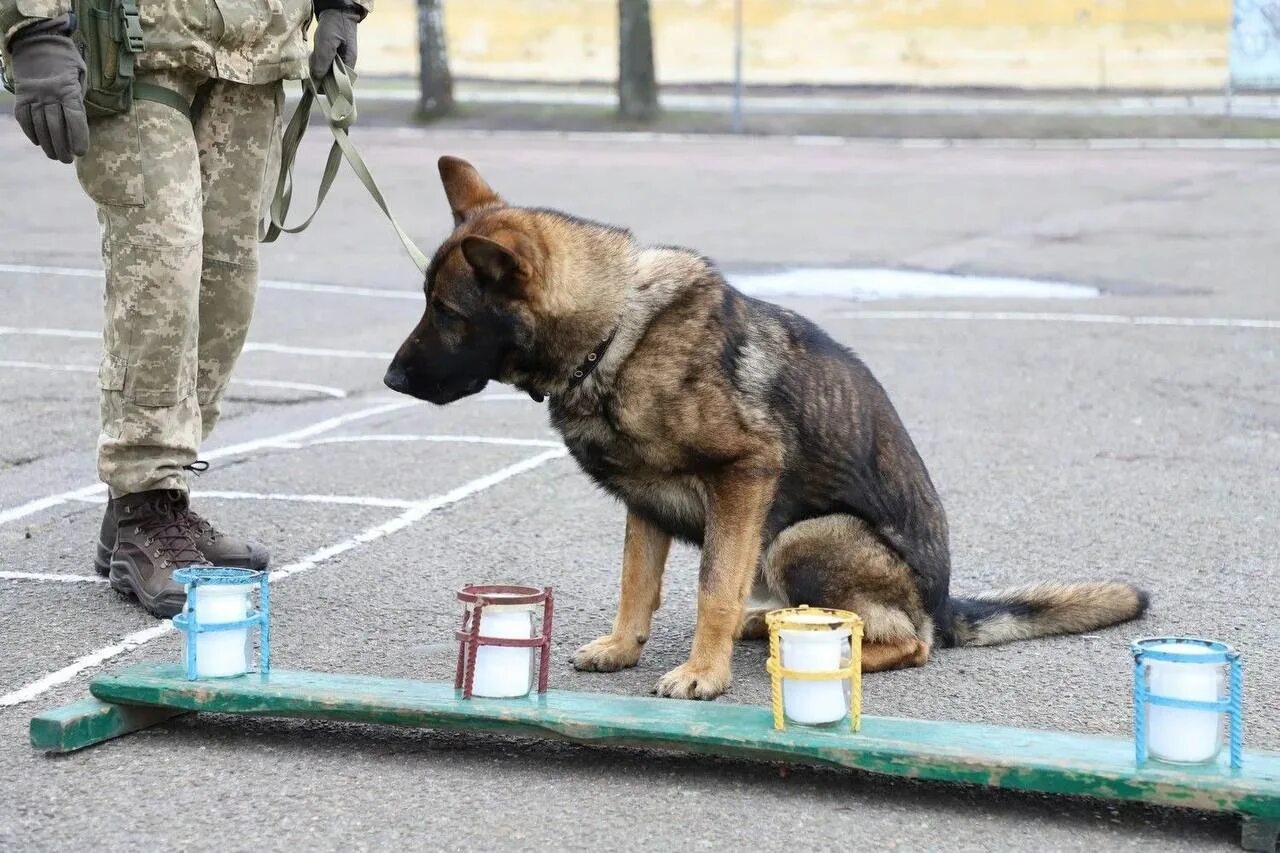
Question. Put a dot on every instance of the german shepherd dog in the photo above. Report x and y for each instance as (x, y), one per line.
(719, 420)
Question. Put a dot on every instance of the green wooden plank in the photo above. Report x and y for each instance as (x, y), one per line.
(1051, 762)
(91, 721)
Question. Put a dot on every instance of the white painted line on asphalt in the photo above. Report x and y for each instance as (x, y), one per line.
(342, 290)
(266, 284)
(252, 346)
(1052, 317)
(317, 352)
(414, 514)
(318, 428)
(443, 439)
(33, 269)
(51, 333)
(868, 283)
(40, 365)
(48, 576)
(62, 676)
(32, 507)
(326, 390)
(839, 282)
(336, 500)
(420, 511)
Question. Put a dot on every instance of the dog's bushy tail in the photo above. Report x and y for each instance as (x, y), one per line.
(1043, 609)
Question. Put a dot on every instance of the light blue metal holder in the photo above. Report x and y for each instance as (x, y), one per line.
(198, 576)
(1206, 652)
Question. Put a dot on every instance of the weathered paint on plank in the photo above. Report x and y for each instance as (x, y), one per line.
(1052, 762)
(92, 721)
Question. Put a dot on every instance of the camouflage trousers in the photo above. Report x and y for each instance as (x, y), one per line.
(178, 201)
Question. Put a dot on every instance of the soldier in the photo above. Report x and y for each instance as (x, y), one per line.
(176, 179)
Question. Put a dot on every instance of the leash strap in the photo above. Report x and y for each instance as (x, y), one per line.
(338, 106)
(162, 95)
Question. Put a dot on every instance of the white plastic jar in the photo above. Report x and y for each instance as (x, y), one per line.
(822, 650)
(1184, 735)
(220, 654)
(503, 672)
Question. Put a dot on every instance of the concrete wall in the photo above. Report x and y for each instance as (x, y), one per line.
(1160, 44)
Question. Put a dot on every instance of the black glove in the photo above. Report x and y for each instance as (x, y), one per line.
(49, 76)
(335, 35)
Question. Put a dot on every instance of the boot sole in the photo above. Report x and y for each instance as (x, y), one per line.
(102, 562)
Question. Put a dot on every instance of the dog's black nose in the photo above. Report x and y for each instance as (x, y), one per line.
(396, 379)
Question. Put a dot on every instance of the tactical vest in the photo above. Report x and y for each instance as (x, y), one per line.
(109, 36)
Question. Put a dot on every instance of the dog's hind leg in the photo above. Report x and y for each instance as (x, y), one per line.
(762, 601)
(836, 561)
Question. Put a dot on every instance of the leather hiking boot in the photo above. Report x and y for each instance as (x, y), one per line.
(154, 537)
(222, 549)
(106, 540)
(218, 548)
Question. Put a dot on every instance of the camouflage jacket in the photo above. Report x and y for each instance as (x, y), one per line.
(245, 41)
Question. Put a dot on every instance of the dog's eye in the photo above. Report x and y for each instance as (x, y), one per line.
(448, 312)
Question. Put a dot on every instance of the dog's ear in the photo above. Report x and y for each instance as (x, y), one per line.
(497, 261)
(467, 192)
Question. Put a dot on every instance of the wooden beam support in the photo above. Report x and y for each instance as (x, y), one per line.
(91, 721)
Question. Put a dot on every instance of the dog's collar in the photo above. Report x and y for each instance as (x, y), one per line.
(582, 371)
(591, 362)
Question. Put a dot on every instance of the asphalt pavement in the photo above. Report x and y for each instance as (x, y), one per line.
(1135, 435)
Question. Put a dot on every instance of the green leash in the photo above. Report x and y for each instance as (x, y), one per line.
(162, 95)
(338, 106)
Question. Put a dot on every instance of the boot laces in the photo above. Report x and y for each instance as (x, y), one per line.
(202, 526)
(171, 530)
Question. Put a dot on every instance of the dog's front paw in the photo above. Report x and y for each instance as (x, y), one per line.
(691, 682)
(607, 654)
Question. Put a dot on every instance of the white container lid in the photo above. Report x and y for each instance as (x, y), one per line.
(1185, 649)
(837, 629)
(493, 602)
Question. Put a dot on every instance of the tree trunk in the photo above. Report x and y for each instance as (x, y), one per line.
(435, 83)
(637, 81)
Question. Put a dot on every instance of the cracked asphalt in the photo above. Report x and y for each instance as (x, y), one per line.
(1063, 450)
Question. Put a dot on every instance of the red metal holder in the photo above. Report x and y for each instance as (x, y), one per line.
(475, 598)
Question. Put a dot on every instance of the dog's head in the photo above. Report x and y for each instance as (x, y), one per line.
(512, 295)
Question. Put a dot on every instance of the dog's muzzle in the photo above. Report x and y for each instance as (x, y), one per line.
(396, 379)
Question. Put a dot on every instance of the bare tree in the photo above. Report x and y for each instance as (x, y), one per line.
(435, 83)
(637, 80)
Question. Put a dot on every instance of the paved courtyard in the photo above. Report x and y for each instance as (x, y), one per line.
(1135, 435)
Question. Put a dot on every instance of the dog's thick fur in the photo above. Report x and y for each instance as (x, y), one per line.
(719, 420)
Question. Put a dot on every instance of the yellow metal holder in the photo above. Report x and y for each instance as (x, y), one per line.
(802, 619)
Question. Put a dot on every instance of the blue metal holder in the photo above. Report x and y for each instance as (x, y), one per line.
(198, 576)
(1218, 653)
